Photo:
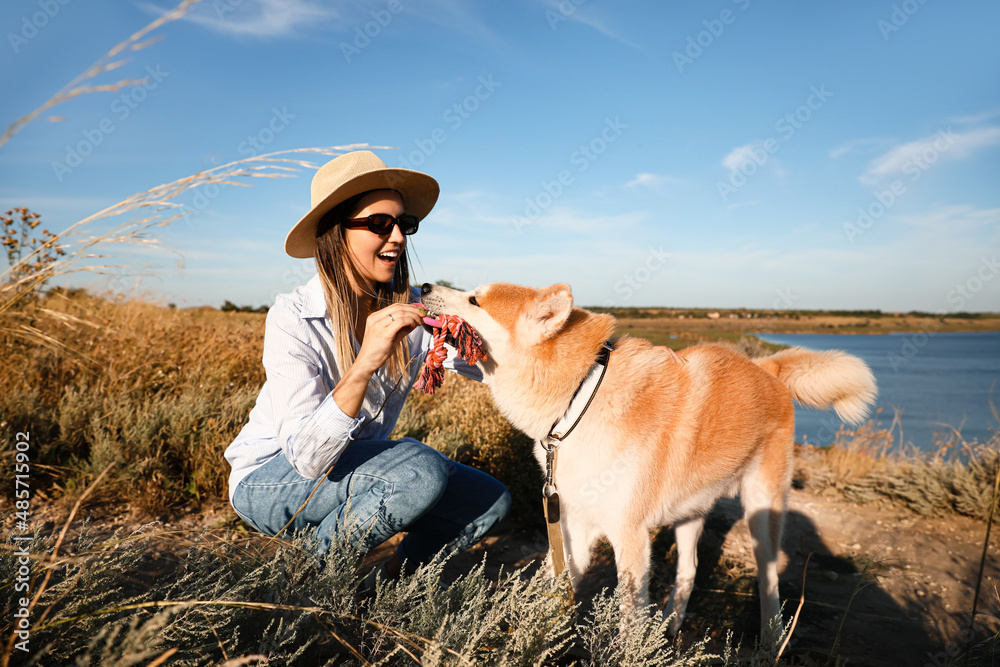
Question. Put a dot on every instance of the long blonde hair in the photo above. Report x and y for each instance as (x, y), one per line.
(341, 281)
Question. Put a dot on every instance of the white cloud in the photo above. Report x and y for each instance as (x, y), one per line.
(257, 18)
(652, 181)
(927, 151)
(557, 13)
(976, 119)
(953, 220)
(739, 155)
(456, 15)
(751, 158)
(858, 145)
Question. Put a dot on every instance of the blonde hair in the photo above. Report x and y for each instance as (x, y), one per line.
(342, 281)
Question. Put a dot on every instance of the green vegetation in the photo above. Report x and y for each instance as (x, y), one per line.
(230, 307)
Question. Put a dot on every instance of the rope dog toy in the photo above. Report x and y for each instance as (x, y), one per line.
(452, 329)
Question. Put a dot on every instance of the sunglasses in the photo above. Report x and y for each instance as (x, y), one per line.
(382, 223)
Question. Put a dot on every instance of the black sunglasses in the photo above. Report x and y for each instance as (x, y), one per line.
(382, 223)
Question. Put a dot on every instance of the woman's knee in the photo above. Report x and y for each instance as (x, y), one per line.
(425, 478)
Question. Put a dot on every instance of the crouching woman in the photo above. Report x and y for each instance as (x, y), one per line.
(341, 353)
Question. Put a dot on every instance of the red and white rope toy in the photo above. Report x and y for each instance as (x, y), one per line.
(452, 329)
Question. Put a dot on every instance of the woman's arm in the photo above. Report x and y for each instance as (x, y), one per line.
(310, 427)
(382, 334)
(315, 415)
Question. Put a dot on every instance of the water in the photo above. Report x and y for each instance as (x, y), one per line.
(935, 382)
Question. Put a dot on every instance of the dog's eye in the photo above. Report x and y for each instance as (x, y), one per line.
(473, 301)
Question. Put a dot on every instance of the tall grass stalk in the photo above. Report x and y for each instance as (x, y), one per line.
(982, 566)
(867, 577)
(105, 63)
(798, 610)
(149, 210)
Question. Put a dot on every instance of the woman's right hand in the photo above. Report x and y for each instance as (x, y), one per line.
(384, 329)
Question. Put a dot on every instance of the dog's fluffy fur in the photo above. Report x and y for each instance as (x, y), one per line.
(662, 440)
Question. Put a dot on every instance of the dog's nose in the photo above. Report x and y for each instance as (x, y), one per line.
(425, 289)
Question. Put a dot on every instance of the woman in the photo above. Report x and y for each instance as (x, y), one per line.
(341, 354)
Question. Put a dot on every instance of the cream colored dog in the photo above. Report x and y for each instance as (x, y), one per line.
(673, 436)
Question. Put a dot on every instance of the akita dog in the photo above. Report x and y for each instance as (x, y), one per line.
(674, 436)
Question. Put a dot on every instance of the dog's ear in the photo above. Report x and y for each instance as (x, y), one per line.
(549, 313)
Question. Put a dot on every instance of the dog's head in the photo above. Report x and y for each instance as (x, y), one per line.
(511, 319)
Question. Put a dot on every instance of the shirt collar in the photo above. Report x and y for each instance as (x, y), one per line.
(313, 299)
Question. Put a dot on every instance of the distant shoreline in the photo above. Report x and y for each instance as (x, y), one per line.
(681, 327)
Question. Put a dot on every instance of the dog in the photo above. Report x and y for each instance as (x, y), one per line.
(675, 437)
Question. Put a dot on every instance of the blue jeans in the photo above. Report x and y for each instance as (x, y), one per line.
(377, 489)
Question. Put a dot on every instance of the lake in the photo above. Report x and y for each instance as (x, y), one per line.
(935, 381)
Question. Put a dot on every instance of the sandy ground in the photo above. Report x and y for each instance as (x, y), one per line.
(915, 610)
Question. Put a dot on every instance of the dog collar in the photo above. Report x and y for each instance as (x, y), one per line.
(581, 399)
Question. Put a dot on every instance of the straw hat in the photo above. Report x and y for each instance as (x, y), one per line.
(351, 174)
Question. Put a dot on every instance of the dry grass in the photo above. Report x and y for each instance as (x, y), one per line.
(865, 466)
(105, 63)
(160, 392)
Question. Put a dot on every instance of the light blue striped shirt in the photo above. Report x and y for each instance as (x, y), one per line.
(295, 413)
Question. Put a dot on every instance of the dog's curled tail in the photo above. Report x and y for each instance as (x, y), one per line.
(825, 379)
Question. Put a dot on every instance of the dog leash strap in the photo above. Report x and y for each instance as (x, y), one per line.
(550, 503)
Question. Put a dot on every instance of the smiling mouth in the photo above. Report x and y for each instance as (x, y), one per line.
(388, 256)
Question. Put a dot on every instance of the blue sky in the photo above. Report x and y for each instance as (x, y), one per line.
(718, 154)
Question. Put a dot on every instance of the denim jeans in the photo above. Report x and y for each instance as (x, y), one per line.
(377, 489)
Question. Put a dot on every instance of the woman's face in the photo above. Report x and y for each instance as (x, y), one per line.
(375, 256)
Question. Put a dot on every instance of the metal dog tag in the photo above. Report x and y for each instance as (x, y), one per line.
(552, 507)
